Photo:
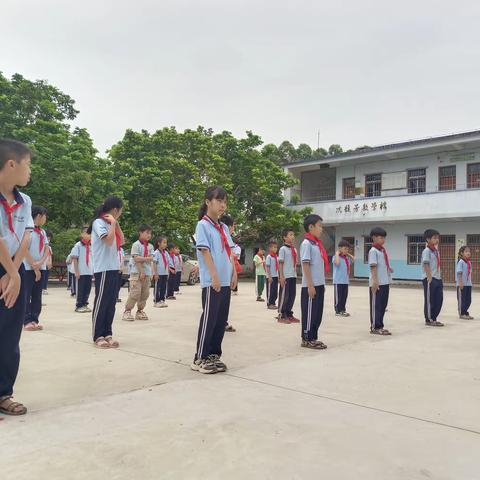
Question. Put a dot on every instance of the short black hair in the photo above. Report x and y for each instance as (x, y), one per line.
(49, 234)
(12, 150)
(378, 232)
(272, 242)
(171, 246)
(261, 247)
(286, 231)
(144, 227)
(344, 243)
(227, 220)
(429, 233)
(311, 219)
(38, 210)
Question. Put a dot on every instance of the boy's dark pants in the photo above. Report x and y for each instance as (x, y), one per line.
(340, 291)
(272, 291)
(433, 299)
(84, 287)
(106, 294)
(11, 324)
(161, 288)
(287, 298)
(216, 307)
(378, 305)
(33, 297)
(312, 312)
(178, 280)
(171, 285)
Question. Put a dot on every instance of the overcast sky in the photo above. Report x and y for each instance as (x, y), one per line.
(361, 72)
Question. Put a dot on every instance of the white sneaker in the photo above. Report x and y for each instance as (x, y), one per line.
(128, 317)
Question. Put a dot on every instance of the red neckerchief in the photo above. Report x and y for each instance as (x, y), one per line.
(346, 262)
(385, 254)
(172, 256)
(294, 253)
(221, 231)
(118, 238)
(87, 253)
(275, 256)
(434, 249)
(145, 247)
(39, 231)
(165, 263)
(9, 209)
(323, 252)
(469, 266)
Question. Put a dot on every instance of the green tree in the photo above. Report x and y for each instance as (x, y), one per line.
(68, 177)
(304, 152)
(335, 149)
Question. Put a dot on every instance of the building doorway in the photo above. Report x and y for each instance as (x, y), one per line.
(448, 257)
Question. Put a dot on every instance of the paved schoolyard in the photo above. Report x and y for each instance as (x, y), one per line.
(400, 407)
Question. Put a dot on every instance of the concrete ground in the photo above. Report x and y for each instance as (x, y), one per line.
(400, 407)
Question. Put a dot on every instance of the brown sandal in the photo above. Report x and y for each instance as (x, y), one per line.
(14, 408)
(111, 342)
(100, 342)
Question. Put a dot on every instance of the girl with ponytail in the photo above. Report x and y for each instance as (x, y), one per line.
(217, 277)
(464, 282)
(107, 240)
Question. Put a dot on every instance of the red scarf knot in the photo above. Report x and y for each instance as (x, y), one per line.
(118, 237)
(381, 248)
(39, 231)
(323, 252)
(87, 252)
(221, 231)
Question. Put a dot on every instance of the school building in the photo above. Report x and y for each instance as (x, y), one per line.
(405, 188)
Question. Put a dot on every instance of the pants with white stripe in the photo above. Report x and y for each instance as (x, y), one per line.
(84, 287)
(178, 281)
(33, 297)
(106, 293)
(11, 325)
(464, 297)
(312, 312)
(340, 291)
(161, 288)
(287, 298)
(272, 291)
(378, 305)
(433, 299)
(216, 307)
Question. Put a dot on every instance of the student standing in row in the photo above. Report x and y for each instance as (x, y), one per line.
(16, 225)
(217, 278)
(432, 279)
(107, 239)
(71, 284)
(82, 261)
(178, 271)
(271, 265)
(160, 272)
(172, 270)
(259, 261)
(48, 263)
(287, 274)
(140, 275)
(379, 281)
(35, 263)
(314, 266)
(342, 263)
(464, 282)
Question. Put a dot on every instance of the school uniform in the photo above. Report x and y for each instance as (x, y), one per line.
(161, 262)
(341, 280)
(15, 221)
(178, 272)
(237, 253)
(70, 275)
(312, 308)
(272, 288)
(288, 257)
(259, 275)
(139, 289)
(433, 291)
(106, 265)
(82, 251)
(216, 305)
(379, 299)
(46, 271)
(172, 270)
(121, 257)
(464, 295)
(33, 289)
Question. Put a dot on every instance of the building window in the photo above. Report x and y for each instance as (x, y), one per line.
(415, 246)
(473, 175)
(373, 185)
(417, 180)
(367, 245)
(349, 187)
(447, 178)
(319, 185)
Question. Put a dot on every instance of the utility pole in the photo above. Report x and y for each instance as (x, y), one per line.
(318, 140)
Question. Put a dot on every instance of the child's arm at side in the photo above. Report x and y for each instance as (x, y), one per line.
(211, 268)
(281, 274)
(75, 267)
(308, 275)
(460, 283)
(375, 286)
(10, 282)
